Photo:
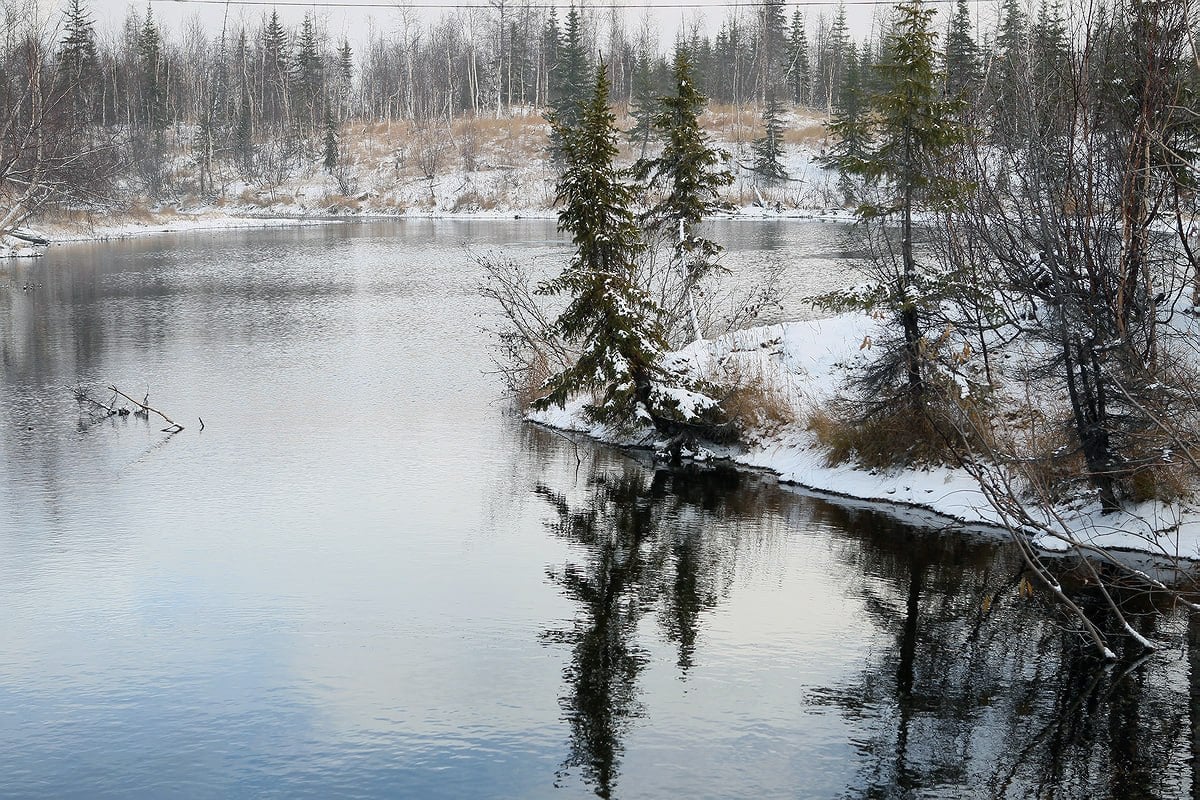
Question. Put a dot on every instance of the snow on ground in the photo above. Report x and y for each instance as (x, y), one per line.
(482, 169)
(808, 361)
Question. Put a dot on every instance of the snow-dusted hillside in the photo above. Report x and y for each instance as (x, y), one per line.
(476, 167)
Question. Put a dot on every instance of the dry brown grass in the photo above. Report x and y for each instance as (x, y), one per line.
(339, 204)
(809, 134)
(473, 201)
(901, 435)
(755, 402)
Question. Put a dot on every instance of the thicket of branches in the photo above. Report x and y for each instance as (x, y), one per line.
(1057, 220)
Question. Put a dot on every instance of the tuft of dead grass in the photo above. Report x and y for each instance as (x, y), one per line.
(754, 401)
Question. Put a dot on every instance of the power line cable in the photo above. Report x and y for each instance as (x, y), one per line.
(484, 5)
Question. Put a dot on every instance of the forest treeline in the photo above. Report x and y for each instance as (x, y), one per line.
(260, 98)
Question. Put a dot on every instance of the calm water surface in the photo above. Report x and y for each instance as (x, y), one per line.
(366, 578)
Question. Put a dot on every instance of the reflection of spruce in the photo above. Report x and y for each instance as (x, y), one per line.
(966, 657)
(602, 673)
(633, 562)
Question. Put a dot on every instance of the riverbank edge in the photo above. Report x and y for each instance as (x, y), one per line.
(908, 512)
(209, 221)
(817, 354)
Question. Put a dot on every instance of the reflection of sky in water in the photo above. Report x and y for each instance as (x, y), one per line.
(340, 586)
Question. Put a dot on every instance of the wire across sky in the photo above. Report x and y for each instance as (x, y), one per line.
(665, 5)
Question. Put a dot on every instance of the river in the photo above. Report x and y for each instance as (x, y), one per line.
(365, 577)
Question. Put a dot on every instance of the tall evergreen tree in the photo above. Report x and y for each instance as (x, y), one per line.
(910, 130)
(1049, 59)
(153, 98)
(849, 121)
(608, 316)
(307, 82)
(772, 49)
(79, 61)
(568, 80)
(273, 71)
(962, 54)
(643, 104)
(1008, 79)
(831, 61)
(798, 71)
(690, 174)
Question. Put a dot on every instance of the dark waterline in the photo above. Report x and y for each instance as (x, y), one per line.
(366, 578)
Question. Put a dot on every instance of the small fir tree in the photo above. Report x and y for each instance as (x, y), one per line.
(768, 148)
(690, 174)
(910, 130)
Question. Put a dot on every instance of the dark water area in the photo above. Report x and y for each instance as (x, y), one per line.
(367, 578)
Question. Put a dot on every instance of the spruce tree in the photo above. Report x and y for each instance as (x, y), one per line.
(799, 74)
(831, 61)
(78, 61)
(569, 82)
(768, 148)
(772, 48)
(153, 98)
(911, 131)
(613, 322)
(643, 103)
(307, 81)
(608, 317)
(850, 123)
(690, 174)
(1049, 60)
(274, 70)
(962, 54)
(1009, 75)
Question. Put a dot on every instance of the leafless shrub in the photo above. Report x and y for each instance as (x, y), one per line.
(527, 347)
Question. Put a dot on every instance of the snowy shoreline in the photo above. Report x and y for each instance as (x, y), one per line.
(806, 360)
(204, 221)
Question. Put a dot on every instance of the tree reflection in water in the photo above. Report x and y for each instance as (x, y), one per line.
(971, 688)
(981, 693)
(635, 560)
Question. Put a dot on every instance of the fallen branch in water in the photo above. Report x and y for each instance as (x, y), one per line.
(175, 427)
(83, 396)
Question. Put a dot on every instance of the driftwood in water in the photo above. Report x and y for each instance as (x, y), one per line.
(110, 409)
(175, 427)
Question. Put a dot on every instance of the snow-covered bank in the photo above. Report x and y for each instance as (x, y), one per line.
(202, 219)
(479, 169)
(803, 364)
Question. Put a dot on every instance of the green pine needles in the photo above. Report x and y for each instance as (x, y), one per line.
(613, 322)
(901, 149)
(608, 316)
